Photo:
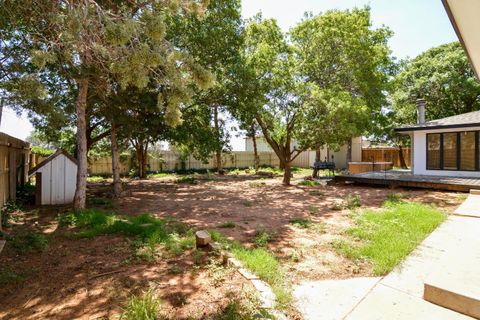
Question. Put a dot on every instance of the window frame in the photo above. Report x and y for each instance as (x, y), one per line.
(458, 151)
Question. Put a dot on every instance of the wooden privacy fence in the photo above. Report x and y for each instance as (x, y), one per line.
(386, 154)
(172, 160)
(14, 158)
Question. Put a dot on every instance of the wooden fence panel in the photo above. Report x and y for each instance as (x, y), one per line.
(390, 154)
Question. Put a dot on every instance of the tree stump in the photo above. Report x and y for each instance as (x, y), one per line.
(202, 238)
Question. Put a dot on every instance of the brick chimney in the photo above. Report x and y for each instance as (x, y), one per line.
(421, 111)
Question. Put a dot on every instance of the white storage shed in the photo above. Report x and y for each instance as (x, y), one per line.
(55, 179)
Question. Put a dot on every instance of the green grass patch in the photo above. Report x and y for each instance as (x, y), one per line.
(228, 224)
(8, 276)
(96, 179)
(263, 263)
(161, 175)
(145, 307)
(262, 237)
(30, 241)
(309, 183)
(387, 236)
(186, 179)
(148, 230)
(101, 202)
(301, 222)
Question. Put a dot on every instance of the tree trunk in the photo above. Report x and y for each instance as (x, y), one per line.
(141, 150)
(349, 151)
(401, 157)
(117, 183)
(218, 152)
(255, 151)
(80, 198)
(287, 173)
(317, 159)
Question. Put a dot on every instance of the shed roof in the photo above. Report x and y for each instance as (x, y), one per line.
(464, 120)
(50, 158)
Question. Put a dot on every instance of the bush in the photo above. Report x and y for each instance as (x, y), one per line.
(262, 237)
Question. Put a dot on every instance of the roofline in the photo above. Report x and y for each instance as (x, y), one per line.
(450, 126)
(50, 158)
(459, 35)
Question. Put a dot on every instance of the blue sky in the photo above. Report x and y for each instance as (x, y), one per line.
(417, 25)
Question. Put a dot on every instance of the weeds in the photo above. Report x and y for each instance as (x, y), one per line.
(228, 224)
(309, 183)
(101, 202)
(352, 201)
(312, 209)
(96, 179)
(301, 222)
(186, 180)
(31, 241)
(262, 237)
(8, 276)
(145, 307)
(247, 203)
(9, 207)
(392, 199)
(149, 231)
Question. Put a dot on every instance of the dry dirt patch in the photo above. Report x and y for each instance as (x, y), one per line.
(90, 278)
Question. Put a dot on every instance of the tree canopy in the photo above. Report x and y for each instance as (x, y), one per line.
(443, 77)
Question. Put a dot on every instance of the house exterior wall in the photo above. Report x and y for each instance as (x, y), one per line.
(419, 155)
(59, 178)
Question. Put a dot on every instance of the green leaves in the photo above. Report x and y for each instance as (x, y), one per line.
(443, 77)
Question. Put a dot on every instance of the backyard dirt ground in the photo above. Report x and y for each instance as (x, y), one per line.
(93, 278)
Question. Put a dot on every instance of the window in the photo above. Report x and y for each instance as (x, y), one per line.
(453, 151)
(433, 151)
(450, 151)
(467, 150)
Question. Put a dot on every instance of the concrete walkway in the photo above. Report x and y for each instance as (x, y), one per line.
(399, 295)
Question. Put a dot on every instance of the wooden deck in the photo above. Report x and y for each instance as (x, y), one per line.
(394, 178)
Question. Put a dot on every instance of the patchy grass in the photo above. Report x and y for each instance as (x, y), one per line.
(262, 237)
(7, 276)
(352, 201)
(31, 241)
(313, 210)
(386, 237)
(263, 263)
(101, 202)
(247, 203)
(145, 307)
(149, 231)
(186, 180)
(228, 224)
(309, 183)
(301, 222)
(161, 175)
(96, 179)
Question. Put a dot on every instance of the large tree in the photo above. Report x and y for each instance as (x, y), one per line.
(443, 77)
(322, 88)
(216, 44)
(84, 43)
(342, 53)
